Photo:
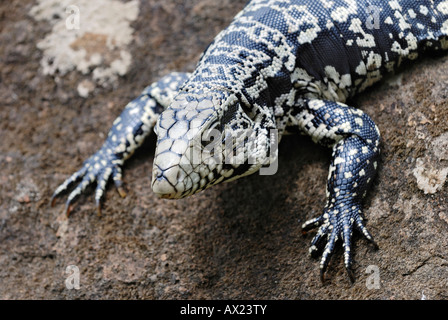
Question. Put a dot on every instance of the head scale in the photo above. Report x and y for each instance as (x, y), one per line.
(205, 139)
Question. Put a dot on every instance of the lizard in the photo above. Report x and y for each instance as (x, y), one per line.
(279, 65)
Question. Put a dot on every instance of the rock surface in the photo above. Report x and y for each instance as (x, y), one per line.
(240, 240)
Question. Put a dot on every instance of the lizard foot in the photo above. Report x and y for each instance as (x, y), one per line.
(336, 223)
(98, 168)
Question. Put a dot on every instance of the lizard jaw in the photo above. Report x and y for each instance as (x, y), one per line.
(163, 183)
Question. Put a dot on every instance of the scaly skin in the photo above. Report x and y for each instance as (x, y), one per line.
(280, 64)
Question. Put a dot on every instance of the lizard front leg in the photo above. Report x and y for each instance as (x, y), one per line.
(354, 139)
(128, 132)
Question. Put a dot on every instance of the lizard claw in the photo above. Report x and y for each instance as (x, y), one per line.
(336, 224)
(98, 168)
(121, 192)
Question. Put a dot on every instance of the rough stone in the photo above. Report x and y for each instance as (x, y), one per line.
(240, 240)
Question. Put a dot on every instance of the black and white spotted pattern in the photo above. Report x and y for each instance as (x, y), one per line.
(280, 64)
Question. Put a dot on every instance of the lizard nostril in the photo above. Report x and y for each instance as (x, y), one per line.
(157, 174)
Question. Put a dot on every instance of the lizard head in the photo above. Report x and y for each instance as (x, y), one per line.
(203, 140)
